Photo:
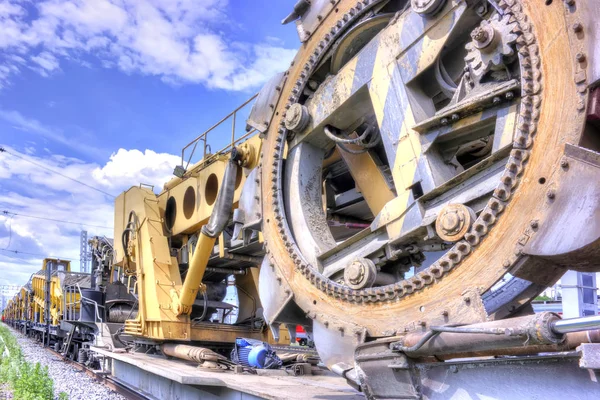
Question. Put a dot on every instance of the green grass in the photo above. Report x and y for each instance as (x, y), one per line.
(26, 380)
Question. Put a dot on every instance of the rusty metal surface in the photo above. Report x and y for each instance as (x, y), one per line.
(570, 232)
(512, 332)
(571, 342)
(499, 148)
(549, 96)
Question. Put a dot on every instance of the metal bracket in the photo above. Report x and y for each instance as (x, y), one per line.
(265, 104)
(385, 374)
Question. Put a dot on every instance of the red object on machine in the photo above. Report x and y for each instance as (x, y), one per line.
(301, 336)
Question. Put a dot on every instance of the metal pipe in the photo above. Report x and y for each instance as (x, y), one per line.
(207, 237)
(513, 332)
(222, 209)
(576, 324)
(572, 341)
(243, 257)
(219, 270)
(191, 353)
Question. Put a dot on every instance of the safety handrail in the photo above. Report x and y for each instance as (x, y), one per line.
(204, 136)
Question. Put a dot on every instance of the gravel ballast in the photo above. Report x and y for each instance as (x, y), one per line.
(77, 384)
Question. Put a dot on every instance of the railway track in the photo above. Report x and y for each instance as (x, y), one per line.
(104, 378)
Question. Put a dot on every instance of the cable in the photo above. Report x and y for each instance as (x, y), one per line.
(358, 141)
(38, 255)
(6, 212)
(338, 140)
(3, 150)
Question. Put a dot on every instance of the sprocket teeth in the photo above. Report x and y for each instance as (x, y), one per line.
(519, 33)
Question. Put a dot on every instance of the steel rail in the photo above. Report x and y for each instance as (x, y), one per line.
(112, 383)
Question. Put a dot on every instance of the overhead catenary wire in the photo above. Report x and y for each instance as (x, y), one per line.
(6, 212)
(3, 150)
(38, 255)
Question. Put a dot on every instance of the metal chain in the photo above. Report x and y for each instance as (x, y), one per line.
(528, 53)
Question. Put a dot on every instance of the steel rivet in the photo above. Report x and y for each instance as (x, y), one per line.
(509, 95)
(570, 2)
(580, 57)
(577, 27)
(506, 264)
(564, 164)
(534, 224)
(551, 195)
(444, 121)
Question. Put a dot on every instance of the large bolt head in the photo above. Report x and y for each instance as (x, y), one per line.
(451, 222)
(296, 117)
(483, 36)
(360, 273)
(454, 221)
(427, 7)
(355, 272)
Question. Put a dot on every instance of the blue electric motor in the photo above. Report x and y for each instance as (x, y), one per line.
(255, 354)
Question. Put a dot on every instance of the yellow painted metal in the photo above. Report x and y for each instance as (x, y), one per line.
(204, 179)
(408, 150)
(38, 284)
(369, 179)
(156, 271)
(165, 302)
(193, 279)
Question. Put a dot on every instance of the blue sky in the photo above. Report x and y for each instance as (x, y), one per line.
(108, 92)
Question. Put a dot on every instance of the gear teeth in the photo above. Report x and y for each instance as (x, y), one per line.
(436, 271)
(528, 52)
(480, 227)
(416, 282)
(407, 287)
(472, 238)
(446, 263)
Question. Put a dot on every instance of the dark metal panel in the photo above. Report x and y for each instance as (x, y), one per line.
(264, 106)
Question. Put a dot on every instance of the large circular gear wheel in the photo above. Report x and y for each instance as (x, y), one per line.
(446, 287)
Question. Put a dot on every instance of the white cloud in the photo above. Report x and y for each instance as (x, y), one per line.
(131, 167)
(28, 190)
(46, 61)
(178, 41)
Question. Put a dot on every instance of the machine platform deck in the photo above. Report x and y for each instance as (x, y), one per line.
(466, 379)
(158, 377)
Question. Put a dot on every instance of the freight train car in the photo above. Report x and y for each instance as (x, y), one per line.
(414, 155)
(63, 310)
